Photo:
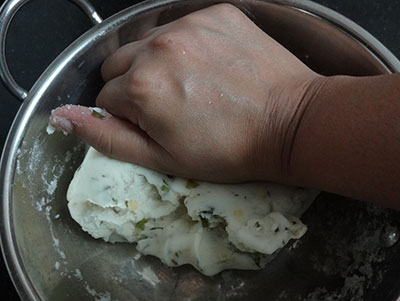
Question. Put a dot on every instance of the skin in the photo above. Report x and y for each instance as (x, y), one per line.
(192, 99)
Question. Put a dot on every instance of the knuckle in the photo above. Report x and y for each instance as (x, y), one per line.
(227, 9)
(146, 81)
(137, 82)
(229, 12)
(166, 41)
(118, 60)
(132, 82)
(104, 143)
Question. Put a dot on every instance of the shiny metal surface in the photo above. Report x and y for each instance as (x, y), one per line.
(349, 253)
(7, 12)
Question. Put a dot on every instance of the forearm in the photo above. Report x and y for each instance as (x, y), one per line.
(348, 140)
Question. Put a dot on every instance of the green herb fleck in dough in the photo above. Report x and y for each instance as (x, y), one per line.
(98, 115)
(190, 184)
(164, 188)
(140, 224)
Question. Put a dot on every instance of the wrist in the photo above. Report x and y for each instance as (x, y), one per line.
(282, 117)
(308, 138)
(309, 93)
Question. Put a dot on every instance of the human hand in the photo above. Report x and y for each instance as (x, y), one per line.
(209, 96)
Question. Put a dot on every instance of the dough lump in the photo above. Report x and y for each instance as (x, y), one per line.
(213, 227)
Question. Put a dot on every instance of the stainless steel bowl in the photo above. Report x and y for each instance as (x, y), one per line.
(350, 251)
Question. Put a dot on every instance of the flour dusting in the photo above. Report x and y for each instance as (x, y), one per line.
(102, 296)
(355, 261)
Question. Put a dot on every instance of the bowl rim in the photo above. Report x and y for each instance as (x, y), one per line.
(10, 250)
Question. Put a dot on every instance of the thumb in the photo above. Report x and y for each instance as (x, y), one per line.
(109, 135)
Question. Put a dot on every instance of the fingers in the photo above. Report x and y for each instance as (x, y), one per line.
(119, 62)
(113, 97)
(109, 135)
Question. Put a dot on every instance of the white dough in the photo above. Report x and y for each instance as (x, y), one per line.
(253, 222)
(212, 227)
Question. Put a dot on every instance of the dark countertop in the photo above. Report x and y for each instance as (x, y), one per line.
(42, 29)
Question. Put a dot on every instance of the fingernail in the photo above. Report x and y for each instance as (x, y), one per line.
(61, 123)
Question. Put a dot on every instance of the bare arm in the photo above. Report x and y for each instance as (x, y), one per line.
(348, 141)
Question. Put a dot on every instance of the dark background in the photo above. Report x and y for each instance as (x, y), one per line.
(42, 29)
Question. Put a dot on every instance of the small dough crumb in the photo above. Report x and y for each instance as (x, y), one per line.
(50, 129)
